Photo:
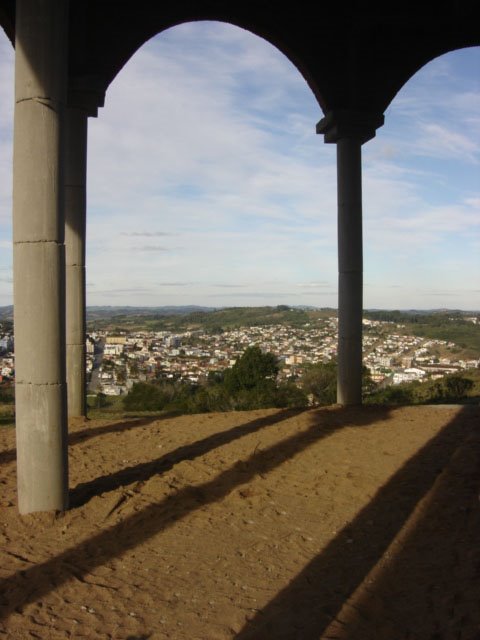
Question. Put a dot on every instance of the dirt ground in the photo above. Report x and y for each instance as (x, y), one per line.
(328, 523)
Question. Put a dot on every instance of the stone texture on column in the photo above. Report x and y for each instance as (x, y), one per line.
(39, 257)
(349, 130)
(75, 231)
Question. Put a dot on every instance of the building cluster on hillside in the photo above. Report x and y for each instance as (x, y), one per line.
(390, 355)
(118, 361)
(7, 360)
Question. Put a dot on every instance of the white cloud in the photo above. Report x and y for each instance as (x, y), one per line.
(207, 181)
(6, 120)
(441, 142)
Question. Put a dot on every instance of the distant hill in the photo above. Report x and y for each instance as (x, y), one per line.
(214, 320)
(444, 324)
(109, 311)
(6, 313)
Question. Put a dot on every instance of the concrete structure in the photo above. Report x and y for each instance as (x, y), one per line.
(39, 258)
(81, 104)
(75, 232)
(355, 62)
(349, 130)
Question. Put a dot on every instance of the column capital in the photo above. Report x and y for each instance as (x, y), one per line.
(349, 123)
(85, 94)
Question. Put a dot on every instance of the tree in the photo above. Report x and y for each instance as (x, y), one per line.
(395, 394)
(7, 393)
(145, 397)
(216, 330)
(215, 377)
(291, 396)
(212, 397)
(456, 386)
(102, 400)
(320, 381)
(253, 370)
(368, 385)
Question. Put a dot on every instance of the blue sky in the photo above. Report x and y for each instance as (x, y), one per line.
(208, 185)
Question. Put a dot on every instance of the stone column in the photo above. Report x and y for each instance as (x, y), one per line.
(75, 231)
(349, 130)
(39, 257)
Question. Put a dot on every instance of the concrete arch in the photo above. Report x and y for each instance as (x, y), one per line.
(352, 57)
(356, 58)
(278, 43)
(420, 64)
(355, 61)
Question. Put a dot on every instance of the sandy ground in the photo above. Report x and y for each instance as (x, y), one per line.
(329, 523)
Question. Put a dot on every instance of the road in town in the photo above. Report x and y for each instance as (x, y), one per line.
(94, 384)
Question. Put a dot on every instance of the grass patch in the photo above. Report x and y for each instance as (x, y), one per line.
(7, 416)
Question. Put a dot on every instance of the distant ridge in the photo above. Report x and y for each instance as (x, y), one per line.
(98, 312)
(107, 310)
(6, 313)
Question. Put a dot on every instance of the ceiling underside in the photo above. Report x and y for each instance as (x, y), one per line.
(352, 57)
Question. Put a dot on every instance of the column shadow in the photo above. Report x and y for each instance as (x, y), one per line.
(143, 471)
(126, 425)
(74, 437)
(306, 607)
(429, 587)
(36, 582)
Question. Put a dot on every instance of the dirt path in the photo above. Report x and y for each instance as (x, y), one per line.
(332, 523)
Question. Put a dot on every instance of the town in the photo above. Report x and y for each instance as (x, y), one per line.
(116, 360)
(391, 355)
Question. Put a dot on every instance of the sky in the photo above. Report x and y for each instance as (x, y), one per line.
(207, 184)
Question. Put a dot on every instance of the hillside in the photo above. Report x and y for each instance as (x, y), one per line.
(329, 523)
(207, 319)
(442, 324)
(451, 326)
(446, 325)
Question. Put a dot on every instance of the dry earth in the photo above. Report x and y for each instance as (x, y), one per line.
(329, 523)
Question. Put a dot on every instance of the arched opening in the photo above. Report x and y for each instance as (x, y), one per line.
(421, 219)
(421, 194)
(205, 170)
(145, 519)
(269, 211)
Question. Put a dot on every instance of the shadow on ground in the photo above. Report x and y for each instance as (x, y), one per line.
(348, 590)
(145, 470)
(431, 590)
(36, 582)
(75, 437)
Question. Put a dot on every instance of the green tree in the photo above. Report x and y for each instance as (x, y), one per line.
(7, 393)
(456, 386)
(253, 370)
(213, 397)
(320, 380)
(395, 394)
(144, 396)
(215, 377)
(368, 385)
(102, 400)
(289, 395)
